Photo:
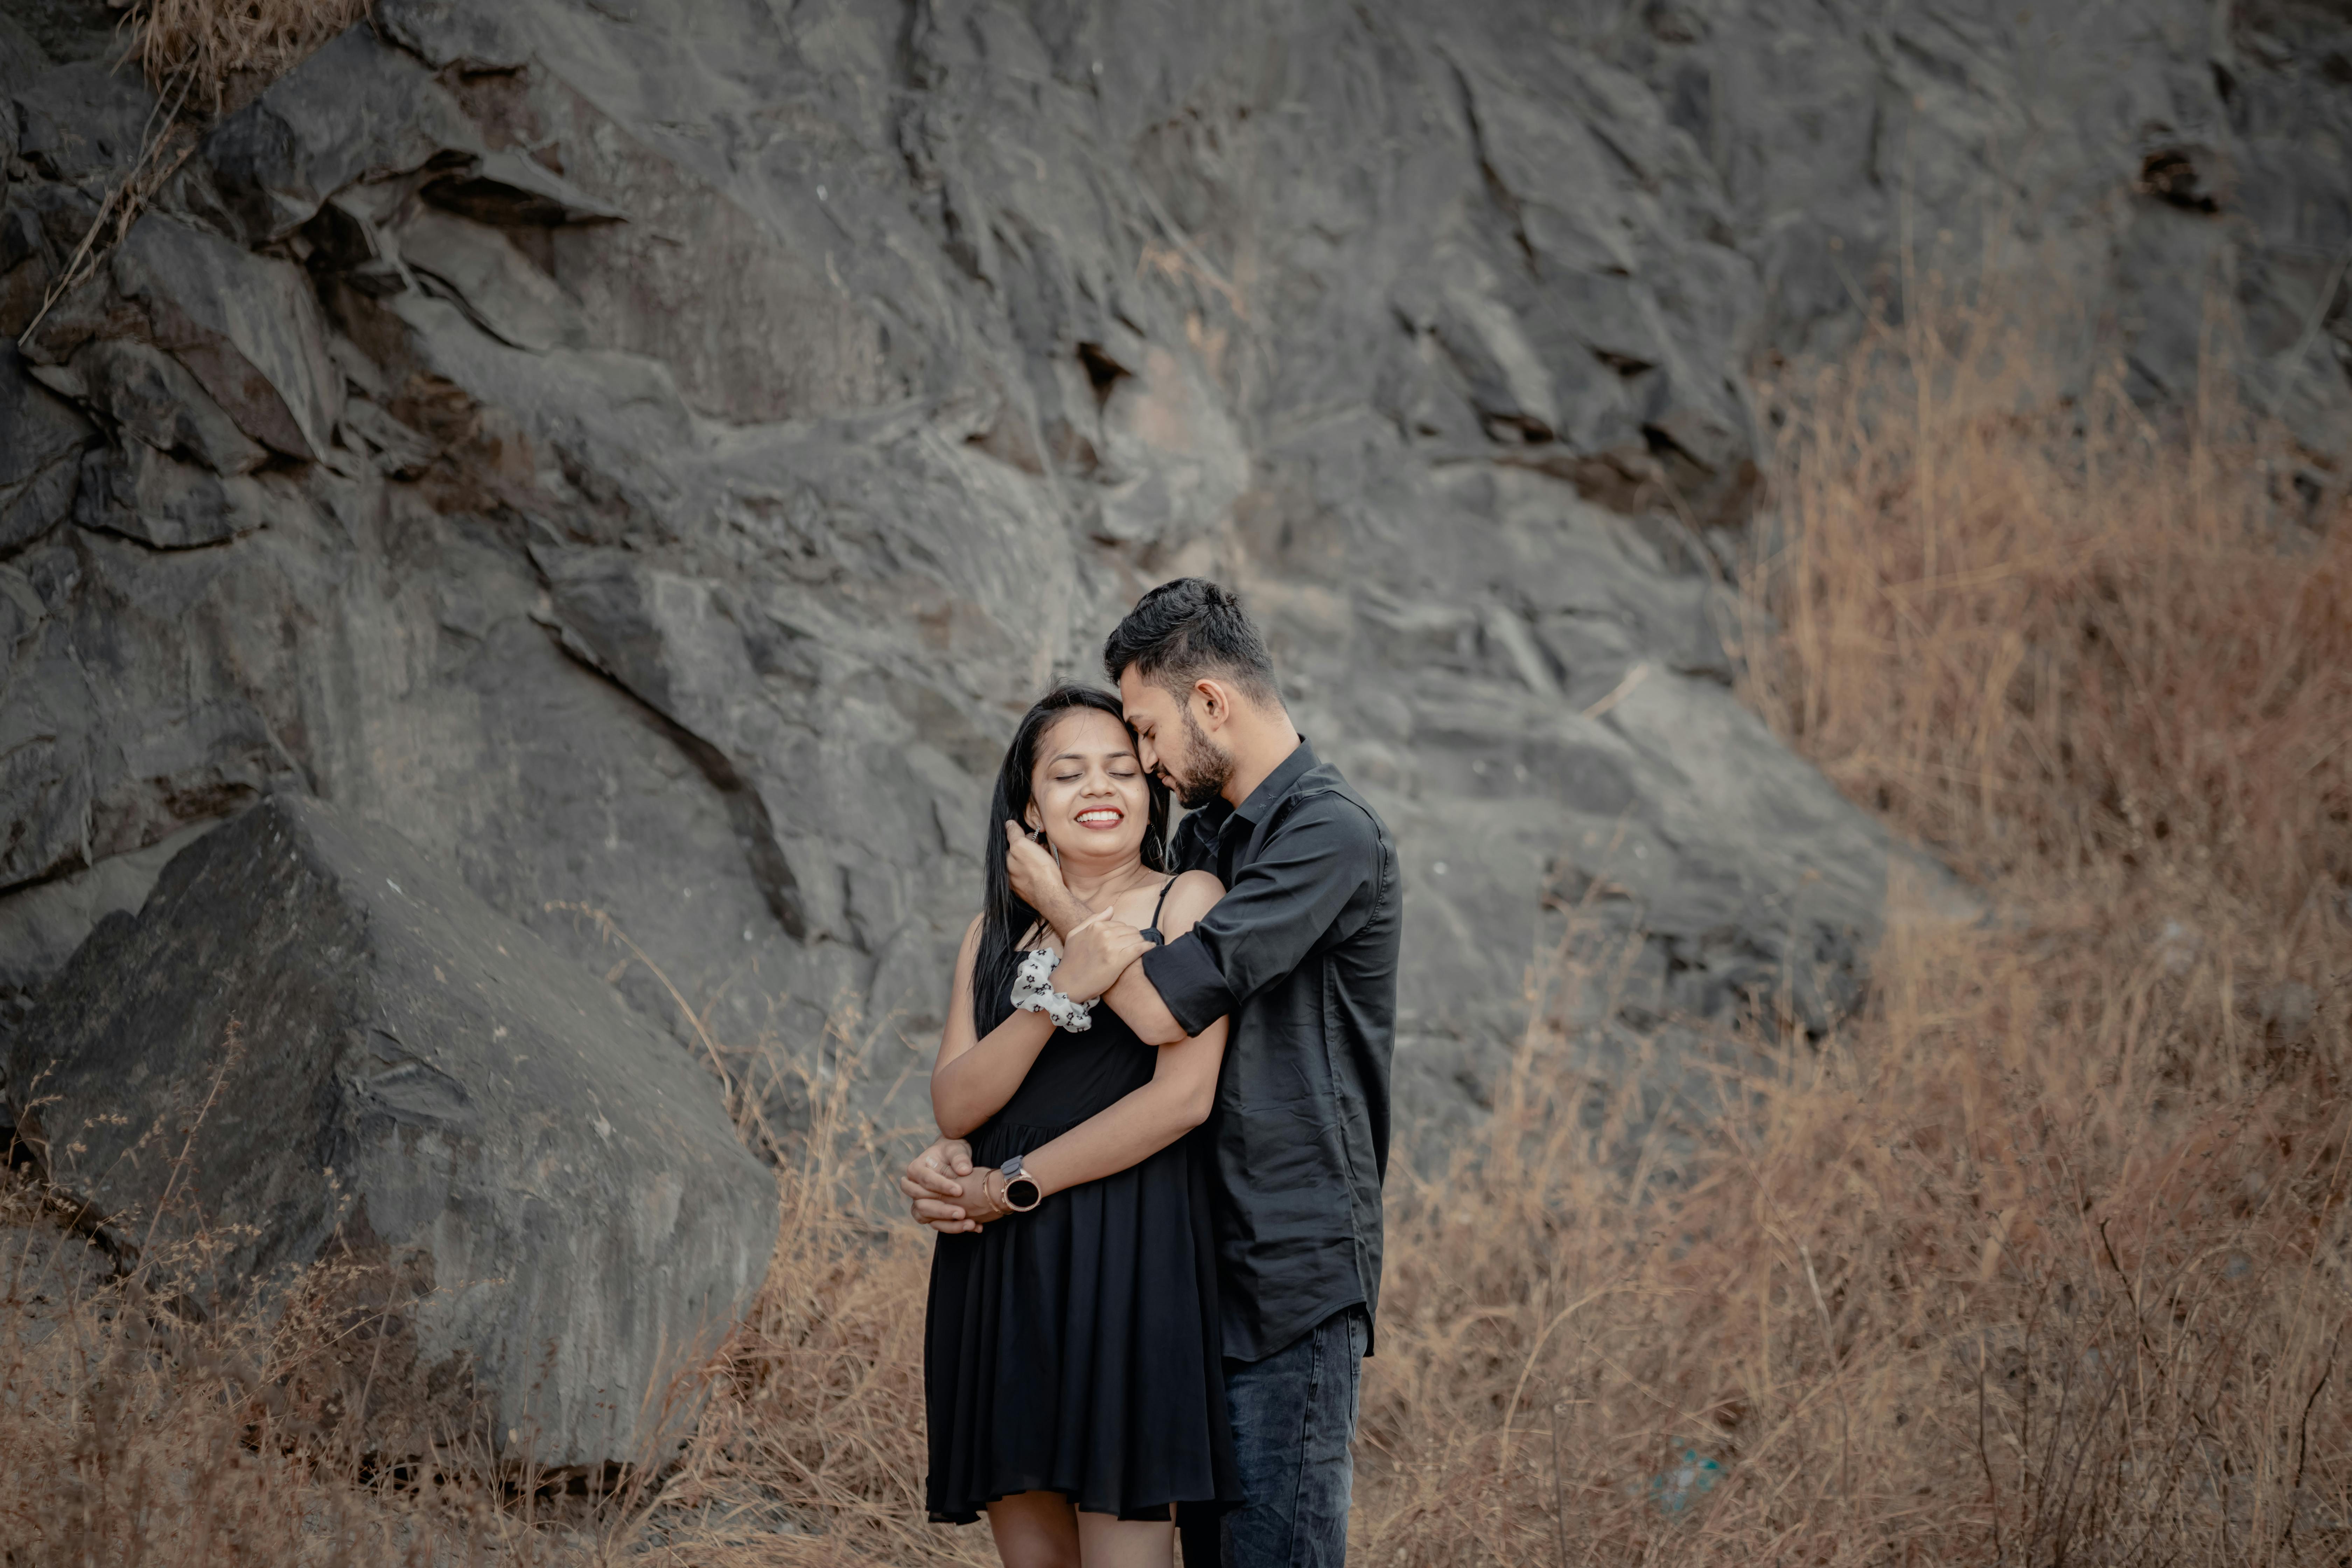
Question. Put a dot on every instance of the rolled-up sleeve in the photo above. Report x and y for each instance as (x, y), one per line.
(1314, 862)
(1189, 981)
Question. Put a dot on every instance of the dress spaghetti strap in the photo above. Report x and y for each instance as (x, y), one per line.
(1151, 934)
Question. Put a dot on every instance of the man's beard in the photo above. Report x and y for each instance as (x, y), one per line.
(1201, 772)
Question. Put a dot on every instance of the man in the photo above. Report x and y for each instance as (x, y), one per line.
(1302, 955)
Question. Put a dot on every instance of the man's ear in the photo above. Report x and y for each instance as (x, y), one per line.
(1216, 702)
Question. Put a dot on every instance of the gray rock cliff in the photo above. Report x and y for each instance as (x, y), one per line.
(647, 453)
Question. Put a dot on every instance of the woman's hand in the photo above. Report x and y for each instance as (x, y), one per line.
(984, 1197)
(1095, 955)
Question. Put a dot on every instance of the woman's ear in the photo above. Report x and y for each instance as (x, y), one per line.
(1031, 820)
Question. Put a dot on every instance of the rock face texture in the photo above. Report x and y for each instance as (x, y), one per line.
(647, 452)
(317, 1043)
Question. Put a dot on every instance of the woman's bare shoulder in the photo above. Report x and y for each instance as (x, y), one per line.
(1193, 896)
(1198, 885)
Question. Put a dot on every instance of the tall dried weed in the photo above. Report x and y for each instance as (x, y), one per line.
(224, 51)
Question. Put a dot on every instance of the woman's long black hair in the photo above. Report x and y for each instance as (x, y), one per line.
(1005, 918)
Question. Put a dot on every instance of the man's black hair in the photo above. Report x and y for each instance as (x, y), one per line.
(1189, 628)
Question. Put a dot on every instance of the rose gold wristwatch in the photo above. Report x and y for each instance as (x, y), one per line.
(1020, 1191)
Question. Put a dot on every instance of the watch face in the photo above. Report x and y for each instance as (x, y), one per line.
(1021, 1191)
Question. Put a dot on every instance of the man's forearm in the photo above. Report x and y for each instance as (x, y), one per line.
(1062, 909)
(1136, 1000)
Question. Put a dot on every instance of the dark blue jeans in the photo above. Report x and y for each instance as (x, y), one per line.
(1294, 1417)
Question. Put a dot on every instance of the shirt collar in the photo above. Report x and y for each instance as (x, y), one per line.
(1276, 784)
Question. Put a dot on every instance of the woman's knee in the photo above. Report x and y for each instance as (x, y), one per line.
(1037, 1551)
(1111, 1543)
(1035, 1529)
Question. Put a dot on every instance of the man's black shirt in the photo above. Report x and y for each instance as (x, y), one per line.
(1301, 953)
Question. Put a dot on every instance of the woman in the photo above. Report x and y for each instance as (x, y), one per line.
(1070, 1361)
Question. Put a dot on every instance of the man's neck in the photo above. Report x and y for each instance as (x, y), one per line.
(1264, 746)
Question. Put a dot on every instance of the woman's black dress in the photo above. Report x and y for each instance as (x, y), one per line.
(1074, 1349)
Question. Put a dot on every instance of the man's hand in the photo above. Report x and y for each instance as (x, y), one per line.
(983, 1192)
(1036, 878)
(934, 1183)
(948, 1202)
(1095, 954)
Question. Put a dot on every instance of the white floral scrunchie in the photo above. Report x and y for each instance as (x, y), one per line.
(1032, 992)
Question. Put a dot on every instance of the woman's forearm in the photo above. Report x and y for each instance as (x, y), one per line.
(1127, 1132)
(975, 1085)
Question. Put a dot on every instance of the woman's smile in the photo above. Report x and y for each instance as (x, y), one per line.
(1087, 790)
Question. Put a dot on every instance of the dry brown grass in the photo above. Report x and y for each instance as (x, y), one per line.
(815, 1453)
(2040, 1258)
(136, 1429)
(226, 50)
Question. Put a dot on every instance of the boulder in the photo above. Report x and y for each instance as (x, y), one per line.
(138, 492)
(129, 628)
(357, 109)
(339, 1052)
(41, 927)
(491, 281)
(151, 397)
(247, 327)
(84, 120)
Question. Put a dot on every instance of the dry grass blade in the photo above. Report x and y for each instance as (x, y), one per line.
(166, 144)
(231, 48)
